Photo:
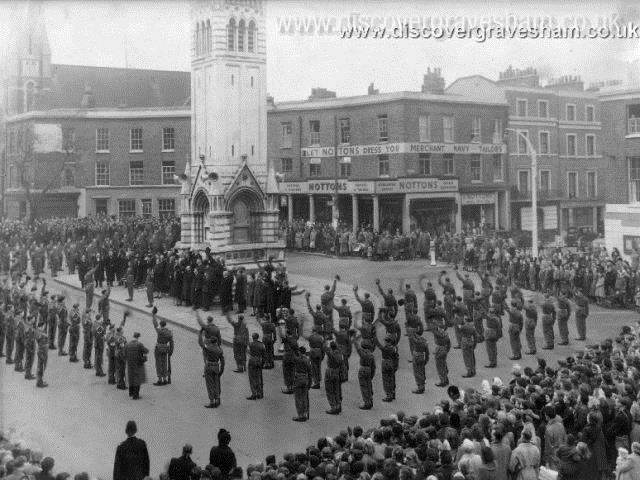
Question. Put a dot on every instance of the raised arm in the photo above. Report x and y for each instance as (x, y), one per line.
(154, 318)
(333, 286)
(199, 319)
(379, 287)
(306, 296)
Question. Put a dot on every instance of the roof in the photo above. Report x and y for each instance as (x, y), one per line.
(103, 113)
(379, 98)
(115, 87)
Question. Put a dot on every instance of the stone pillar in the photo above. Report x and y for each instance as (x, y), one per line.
(406, 218)
(290, 208)
(496, 212)
(354, 212)
(571, 218)
(595, 219)
(507, 210)
(312, 209)
(335, 212)
(458, 213)
(376, 214)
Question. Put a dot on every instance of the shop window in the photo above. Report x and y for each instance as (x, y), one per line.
(476, 168)
(383, 165)
(424, 164)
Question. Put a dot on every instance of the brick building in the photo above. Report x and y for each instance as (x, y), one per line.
(396, 160)
(82, 140)
(563, 124)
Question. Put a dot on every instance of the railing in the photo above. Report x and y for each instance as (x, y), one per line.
(634, 125)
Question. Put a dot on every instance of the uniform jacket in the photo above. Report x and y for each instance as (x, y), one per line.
(132, 460)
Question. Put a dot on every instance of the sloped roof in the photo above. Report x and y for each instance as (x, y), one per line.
(115, 87)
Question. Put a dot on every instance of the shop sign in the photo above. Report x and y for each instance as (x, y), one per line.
(293, 187)
(417, 185)
(478, 198)
(326, 186)
(550, 221)
(393, 148)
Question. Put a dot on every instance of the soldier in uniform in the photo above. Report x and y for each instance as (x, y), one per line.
(389, 368)
(19, 340)
(209, 328)
(149, 286)
(468, 287)
(548, 320)
(316, 355)
(87, 334)
(365, 347)
(390, 301)
(104, 304)
(332, 376)
(344, 314)
(302, 381)
(29, 347)
(53, 322)
(530, 323)
(410, 298)
(89, 286)
(492, 332)
(43, 353)
(99, 331)
(74, 332)
(468, 342)
(163, 350)
(460, 311)
(343, 341)
(129, 281)
(319, 319)
(327, 297)
(582, 312)
(3, 306)
(240, 342)
(478, 313)
(213, 368)
(268, 338)
(63, 326)
(290, 343)
(120, 358)
(515, 327)
(110, 341)
(419, 356)
(564, 311)
(256, 361)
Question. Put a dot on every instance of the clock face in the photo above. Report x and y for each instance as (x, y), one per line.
(30, 68)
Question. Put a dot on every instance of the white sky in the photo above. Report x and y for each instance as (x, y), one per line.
(156, 35)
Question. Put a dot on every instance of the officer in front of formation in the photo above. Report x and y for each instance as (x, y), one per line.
(163, 350)
(256, 362)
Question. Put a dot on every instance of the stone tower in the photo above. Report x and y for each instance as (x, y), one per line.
(229, 192)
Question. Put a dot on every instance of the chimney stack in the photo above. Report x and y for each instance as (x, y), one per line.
(321, 93)
(432, 82)
(371, 90)
(519, 77)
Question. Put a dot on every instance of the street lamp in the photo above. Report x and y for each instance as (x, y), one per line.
(534, 191)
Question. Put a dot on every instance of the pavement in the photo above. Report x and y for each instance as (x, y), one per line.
(79, 419)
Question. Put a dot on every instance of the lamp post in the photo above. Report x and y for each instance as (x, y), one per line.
(534, 191)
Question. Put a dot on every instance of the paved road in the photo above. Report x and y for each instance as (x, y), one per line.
(80, 419)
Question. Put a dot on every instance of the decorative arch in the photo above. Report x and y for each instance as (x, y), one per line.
(200, 208)
(241, 33)
(244, 205)
(231, 35)
(251, 37)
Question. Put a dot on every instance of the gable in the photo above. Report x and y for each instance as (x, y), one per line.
(244, 179)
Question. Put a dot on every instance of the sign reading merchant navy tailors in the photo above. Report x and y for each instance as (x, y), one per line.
(404, 185)
(391, 148)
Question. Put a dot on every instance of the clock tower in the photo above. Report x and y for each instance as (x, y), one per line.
(229, 190)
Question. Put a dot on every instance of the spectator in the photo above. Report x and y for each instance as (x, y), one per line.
(525, 459)
(222, 456)
(180, 468)
(487, 471)
(629, 466)
(47, 466)
(501, 453)
(132, 456)
(554, 436)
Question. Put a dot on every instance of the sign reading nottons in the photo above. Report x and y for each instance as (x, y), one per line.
(391, 148)
(403, 185)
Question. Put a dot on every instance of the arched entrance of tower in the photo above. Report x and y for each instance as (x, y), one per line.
(245, 206)
(200, 216)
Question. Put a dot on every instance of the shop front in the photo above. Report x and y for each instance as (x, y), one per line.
(480, 210)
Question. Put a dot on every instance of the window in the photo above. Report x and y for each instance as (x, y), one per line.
(168, 139)
(314, 132)
(544, 142)
(523, 135)
(424, 164)
(166, 207)
(571, 112)
(447, 128)
(168, 172)
(383, 165)
(68, 177)
(101, 206)
(241, 32)
(126, 208)
(634, 179)
(571, 145)
(102, 173)
(231, 35)
(13, 176)
(545, 180)
(286, 140)
(136, 172)
(345, 130)
(523, 181)
(476, 128)
(102, 140)
(476, 168)
(68, 139)
(135, 140)
(590, 113)
(345, 167)
(592, 184)
(286, 165)
(498, 168)
(448, 163)
(498, 131)
(572, 184)
(590, 145)
(424, 127)
(383, 128)
(314, 167)
(543, 108)
(251, 34)
(521, 108)
(146, 207)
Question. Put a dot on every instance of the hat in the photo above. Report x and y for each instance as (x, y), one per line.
(187, 448)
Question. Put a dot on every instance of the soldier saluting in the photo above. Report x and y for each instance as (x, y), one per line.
(332, 384)
(163, 350)
(30, 347)
(240, 341)
(367, 370)
(42, 340)
(256, 362)
(420, 356)
(209, 341)
(87, 334)
(302, 381)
